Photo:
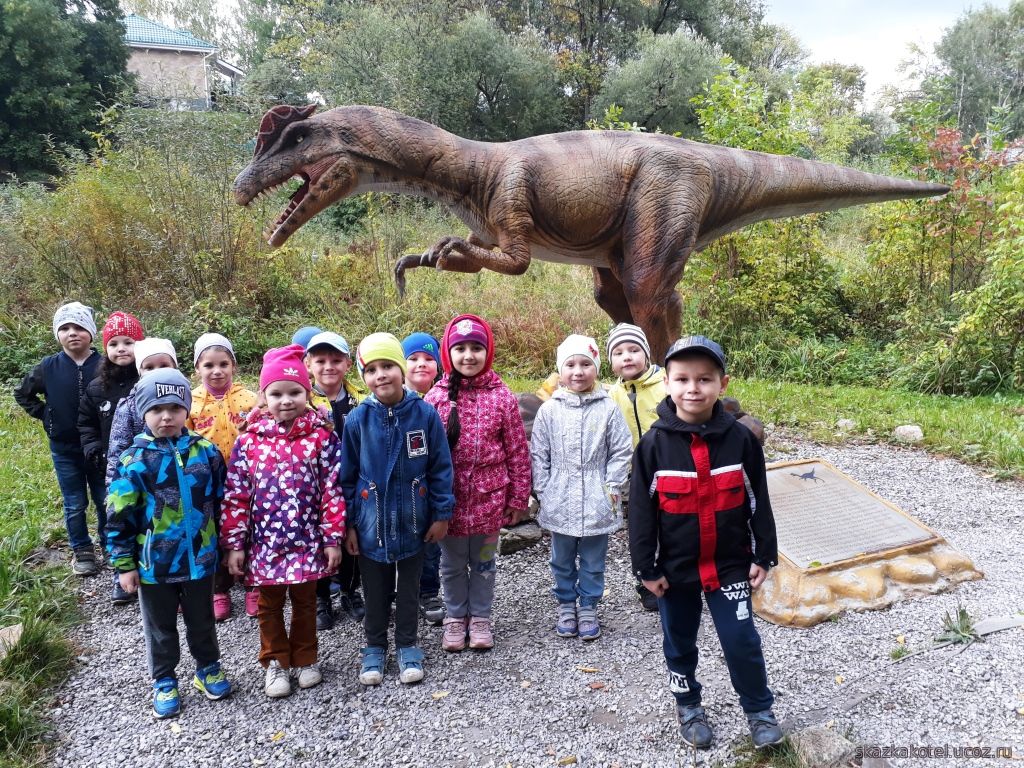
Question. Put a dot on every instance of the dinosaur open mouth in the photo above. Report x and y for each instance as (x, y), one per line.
(304, 201)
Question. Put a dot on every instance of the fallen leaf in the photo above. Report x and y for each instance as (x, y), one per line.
(588, 669)
(1020, 710)
(596, 685)
(257, 761)
(839, 679)
(175, 728)
(277, 736)
(568, 760)
(439, 695)
(901, 639)
(525, 684)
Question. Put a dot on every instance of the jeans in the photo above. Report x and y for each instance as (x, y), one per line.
(158, 604)
(78, 481)
(468, 568)
(379, 582)
(430, 579)
(585, 582)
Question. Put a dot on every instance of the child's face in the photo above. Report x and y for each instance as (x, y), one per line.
(156, 362)
(216, 369)
(578, 374)
(166, 420)
(468, 358)
(328, 367)
(121, 350)
(694, 384)
(628, 361)
(286, 400)
(422, 371)
(384, 378)
(73, 338)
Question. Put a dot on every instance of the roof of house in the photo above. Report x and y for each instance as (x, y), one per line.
(143, 33)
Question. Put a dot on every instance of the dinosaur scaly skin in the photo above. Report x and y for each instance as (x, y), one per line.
(632, 206)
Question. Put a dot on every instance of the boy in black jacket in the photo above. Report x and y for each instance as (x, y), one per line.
(700, 521)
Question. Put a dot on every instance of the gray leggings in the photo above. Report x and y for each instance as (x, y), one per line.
(468, 565)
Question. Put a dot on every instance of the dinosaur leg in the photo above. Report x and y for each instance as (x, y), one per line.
(454, 254)
(610, 296)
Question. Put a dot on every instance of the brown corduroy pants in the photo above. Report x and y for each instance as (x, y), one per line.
(297, 646)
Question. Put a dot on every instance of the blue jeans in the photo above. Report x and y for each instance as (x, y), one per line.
(430, 578)
(585, 582)
(78, 481)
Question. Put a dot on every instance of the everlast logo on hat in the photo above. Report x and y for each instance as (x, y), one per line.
(172, 390)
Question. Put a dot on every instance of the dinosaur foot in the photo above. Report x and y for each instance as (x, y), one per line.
(411, 261)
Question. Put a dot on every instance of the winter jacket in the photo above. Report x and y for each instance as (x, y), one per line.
(491, 458)
(162, 508)
(347, 400)
(396, 471)
(61, 382)
(125, 425)
(220, 421)
(96, 411)
(581, 453)
(699, 512)
(638, 400)
(282, 501)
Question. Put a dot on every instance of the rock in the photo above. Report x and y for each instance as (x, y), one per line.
(846, 425)
(519, 537)
(9, 637)
(908, 433)
(820, 747)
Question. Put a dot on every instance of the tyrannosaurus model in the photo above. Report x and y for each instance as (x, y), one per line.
(632, 206)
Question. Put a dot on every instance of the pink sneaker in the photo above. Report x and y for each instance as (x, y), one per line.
(252, 602)
(481, 636)
(454, 637)
(221, 606)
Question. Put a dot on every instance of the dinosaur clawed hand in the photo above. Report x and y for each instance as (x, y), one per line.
(432, 257)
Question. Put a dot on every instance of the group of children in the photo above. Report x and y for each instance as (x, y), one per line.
(308, 487)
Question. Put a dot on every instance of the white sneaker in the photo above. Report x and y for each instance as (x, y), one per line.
(277, 684)
(309, 676)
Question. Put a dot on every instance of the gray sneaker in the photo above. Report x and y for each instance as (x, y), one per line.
(764, 729)
(84, 562)
(694, 728)
(432, 609)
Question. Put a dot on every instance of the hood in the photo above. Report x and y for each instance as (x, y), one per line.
(261, 423)
(446, 360)
(577, 400)
(486, 380)
(408, 398)
(719, 423)
(649, 378)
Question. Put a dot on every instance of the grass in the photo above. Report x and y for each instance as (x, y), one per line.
(782, 756)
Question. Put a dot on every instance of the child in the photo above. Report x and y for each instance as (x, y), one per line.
(700, 521)
(162, 537)
(639, 389)
(581, 453)
(117, 375)
(422, 360)
(51, 392)
(492, 477)
(397, 476)
(328, 360)
(283, 517)
(219, 408)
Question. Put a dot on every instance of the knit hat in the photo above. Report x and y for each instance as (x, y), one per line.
(380, 346)
(162, 386)
(329, 339)
(208, 340)
(304, 334)
(77, 313)
(422, 342)
(626, 332)
(122, 324)
(150, 346)
(284, 364)
(700, 344)
(575, 344)
(466, 328)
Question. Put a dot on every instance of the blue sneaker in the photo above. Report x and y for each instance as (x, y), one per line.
(374, 660)
(589, 627)
(166, 702)
(410, 664)
(211, 681)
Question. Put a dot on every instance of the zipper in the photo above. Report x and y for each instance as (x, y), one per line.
(186, 502)
(415, 510)
(583, 479)
(376, 505)
(146, 547)
(636, 412)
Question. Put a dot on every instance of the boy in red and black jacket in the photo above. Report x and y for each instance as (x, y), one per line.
(700, 521)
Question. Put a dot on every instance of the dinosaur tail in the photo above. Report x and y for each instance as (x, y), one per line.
(754, 186)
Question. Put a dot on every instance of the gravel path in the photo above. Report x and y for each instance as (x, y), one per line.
(532, 702)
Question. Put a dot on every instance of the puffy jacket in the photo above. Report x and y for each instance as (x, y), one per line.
(581, 453)
(638, 400)
(491, 458)
(162, 509)
(220, 421)
(96, 411)
(699, 511)
(61, 382)
(396, 471)
(125, 425)
(282, 501)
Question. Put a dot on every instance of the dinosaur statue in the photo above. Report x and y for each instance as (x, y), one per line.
(632, 206)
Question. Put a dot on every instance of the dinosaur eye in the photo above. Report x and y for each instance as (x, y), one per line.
(299, 140)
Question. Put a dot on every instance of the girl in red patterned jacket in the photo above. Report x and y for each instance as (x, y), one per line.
(492, 477)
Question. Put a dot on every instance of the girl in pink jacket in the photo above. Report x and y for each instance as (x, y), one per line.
(492, 477)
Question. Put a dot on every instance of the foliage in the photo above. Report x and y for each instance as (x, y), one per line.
(958, 629)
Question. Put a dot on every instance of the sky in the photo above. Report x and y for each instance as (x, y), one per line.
(872, 33)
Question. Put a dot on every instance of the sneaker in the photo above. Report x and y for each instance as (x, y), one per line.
(432, 609)
(221, 606)
(83, 562)
(764, 729)
(648, 599)
(372, 671)
(352, 604)
(277, 684)
(693, 727)
(252, 602)
(589, 626)
(118, 596)
(566, 625)
(481, 635)
(309, 676)
(166, 702)
(335, 588)
(454, 636)
(324, 614)
(211, 681)
(410, 664)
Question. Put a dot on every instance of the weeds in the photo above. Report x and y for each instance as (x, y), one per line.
(958, 629)
(898, 652)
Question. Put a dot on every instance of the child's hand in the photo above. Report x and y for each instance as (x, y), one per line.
(757, 575)
(236, 562)
(333, 559)
(657, 587)
(436, 531)
(514, 516)
(129, 581)
(352, 542)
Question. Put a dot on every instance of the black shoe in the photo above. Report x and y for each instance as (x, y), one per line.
(352, 604)
(647, 598)
(324, 614)
(764, 729)
(84, 562)
(119, 596)
(694, 728)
